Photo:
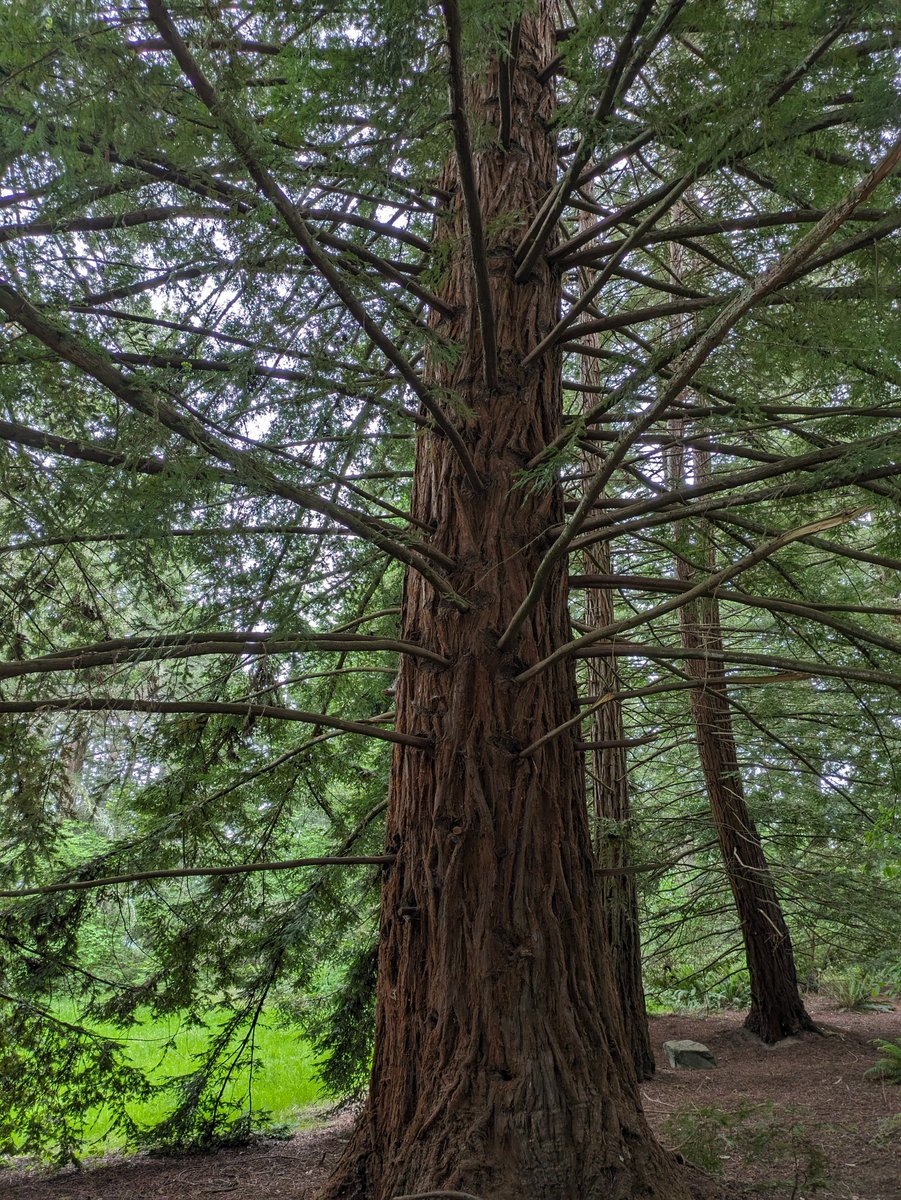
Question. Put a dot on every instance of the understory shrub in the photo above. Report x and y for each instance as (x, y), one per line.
(888, 1067)
(709, 1136)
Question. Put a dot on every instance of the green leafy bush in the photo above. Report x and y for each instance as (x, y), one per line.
(703, 993)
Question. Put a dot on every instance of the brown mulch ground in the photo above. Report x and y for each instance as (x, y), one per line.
(808, 1125)
(804, 1098)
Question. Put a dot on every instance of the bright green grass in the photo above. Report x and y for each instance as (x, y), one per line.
(284, 1083)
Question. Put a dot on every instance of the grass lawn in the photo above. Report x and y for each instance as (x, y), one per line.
(284, 1083)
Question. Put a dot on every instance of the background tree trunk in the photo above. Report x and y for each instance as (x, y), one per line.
(500, 1065)
(777, 1010)
(610, 791)
(609, 777)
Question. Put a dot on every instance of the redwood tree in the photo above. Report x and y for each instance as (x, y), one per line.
(777, 1010)
(500, 1064)
(258, 267)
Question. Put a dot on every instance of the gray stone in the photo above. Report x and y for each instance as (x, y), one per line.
(692, 1056)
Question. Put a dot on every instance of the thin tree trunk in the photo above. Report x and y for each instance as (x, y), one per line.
(500, 1066)
(610, 788)
(609, 775)
(777, 1010)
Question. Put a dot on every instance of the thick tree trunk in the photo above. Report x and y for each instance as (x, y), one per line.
(609, 774)
(499, 1066)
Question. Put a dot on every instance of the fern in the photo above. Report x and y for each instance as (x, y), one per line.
(888, 1067)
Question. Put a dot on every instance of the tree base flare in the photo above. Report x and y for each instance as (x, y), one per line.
(772, 1026)
(475, 1165)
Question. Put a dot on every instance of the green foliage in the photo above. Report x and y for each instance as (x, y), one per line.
(342, 1025)
(117, 1087)
(732, 992)
(710, 1136)
(888, 1067)
(856, 990)
(55, 1075)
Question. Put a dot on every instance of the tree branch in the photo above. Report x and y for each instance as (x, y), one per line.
(656, 689)
(212, 707)
(478, 248)
(693, 358)
(37, 439)
(700, 589)
(169, 647)
(9, 233)
(568, 257)
(251, 469)
(618, 79)
(262, 177)
(213, 531)
(650, 583)
(810, 670)
(289, 864)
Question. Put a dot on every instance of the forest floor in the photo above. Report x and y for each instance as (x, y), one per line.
(795, 1120)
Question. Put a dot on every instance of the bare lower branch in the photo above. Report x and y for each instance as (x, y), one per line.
(821, 613)
(129, 220)
(618, 743)
(155, 535)
(38, 439)
(211, 707)
(726, 502)
(290, 864)
(810, 670)
(554, 733)
(172, 647)
(570, 254)
(705, 587)
(682, 685)
(653, 312)
(478, 247)
(866, 556)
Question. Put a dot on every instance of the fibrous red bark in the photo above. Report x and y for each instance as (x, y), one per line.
(501, 1067)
